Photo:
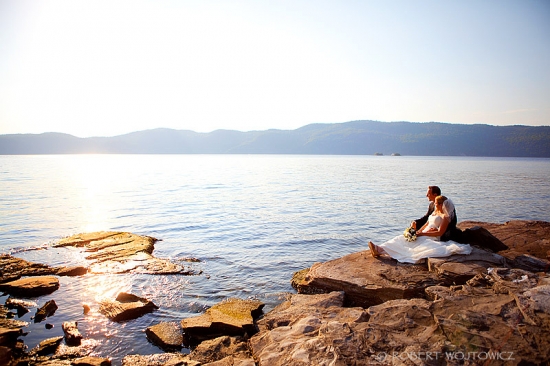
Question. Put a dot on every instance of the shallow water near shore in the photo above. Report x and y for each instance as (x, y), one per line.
(251, 220)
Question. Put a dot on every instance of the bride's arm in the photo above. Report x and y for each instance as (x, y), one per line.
(440, 231)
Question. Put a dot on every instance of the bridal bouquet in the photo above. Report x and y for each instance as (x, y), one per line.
(410, 234)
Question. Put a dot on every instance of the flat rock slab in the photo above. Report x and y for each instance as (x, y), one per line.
(521, 237)
(365, 280)
(121, 252)
(12, 268)
(125, 307)
(31, 286)
(230, 317)
(166, 335)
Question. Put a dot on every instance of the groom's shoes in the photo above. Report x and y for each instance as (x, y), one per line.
(373, 250)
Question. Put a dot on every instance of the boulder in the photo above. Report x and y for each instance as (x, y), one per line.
(166, 335)
(31, 286)
(126, 306)
(48, 309)
(230, 317)
(72, 335)
(121, 252)
(365, 280)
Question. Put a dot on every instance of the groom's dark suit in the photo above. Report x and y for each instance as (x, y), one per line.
(452, 232)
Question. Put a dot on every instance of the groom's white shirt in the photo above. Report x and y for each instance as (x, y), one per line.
(449, 208)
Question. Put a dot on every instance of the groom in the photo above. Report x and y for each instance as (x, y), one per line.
(452, 233)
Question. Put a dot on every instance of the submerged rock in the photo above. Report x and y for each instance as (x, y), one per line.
(230, 317)
(121, 252)
(126, 306)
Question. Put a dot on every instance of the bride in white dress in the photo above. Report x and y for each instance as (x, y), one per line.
(427, 243)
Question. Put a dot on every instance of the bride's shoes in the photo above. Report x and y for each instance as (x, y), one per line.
(373, 250)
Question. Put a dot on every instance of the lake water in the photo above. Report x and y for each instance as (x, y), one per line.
(252, 220)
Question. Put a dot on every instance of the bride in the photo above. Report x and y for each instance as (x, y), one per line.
(427, 243)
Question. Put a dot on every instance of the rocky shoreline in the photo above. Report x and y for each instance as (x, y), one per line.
(489, 307)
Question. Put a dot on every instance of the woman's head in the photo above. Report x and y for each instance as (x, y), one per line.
(439, 201)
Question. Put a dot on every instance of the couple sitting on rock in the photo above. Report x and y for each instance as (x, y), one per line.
(434, 235)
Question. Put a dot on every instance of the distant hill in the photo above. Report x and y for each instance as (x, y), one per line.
(350, 138)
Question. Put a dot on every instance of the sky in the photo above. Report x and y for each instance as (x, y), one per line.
(105, 68)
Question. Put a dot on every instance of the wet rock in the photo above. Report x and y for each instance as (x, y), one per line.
(126, 306)
(12, 268)
(5, 322)
(166, 335)
(86, 308)
(223, 351)
(8, 336)
(121, 252)
(46, 347)
(48, 326)
(31, 286)
(230, 317)
(72, 335)
(84, 349)
(72, 271)
(365, 280)
(22, 306)
(161, 359)
(47, 310)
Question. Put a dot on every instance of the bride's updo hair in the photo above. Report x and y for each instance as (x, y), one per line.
(440, 199)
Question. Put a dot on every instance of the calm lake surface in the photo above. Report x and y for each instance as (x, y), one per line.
(252, 220)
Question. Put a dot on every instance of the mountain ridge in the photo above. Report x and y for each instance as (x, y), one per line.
(346, 138)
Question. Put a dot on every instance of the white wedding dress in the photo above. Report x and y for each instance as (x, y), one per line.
(424, 246)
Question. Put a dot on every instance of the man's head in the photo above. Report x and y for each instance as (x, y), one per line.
(433, 192)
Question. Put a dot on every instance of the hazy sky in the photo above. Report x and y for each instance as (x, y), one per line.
(103, 68)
